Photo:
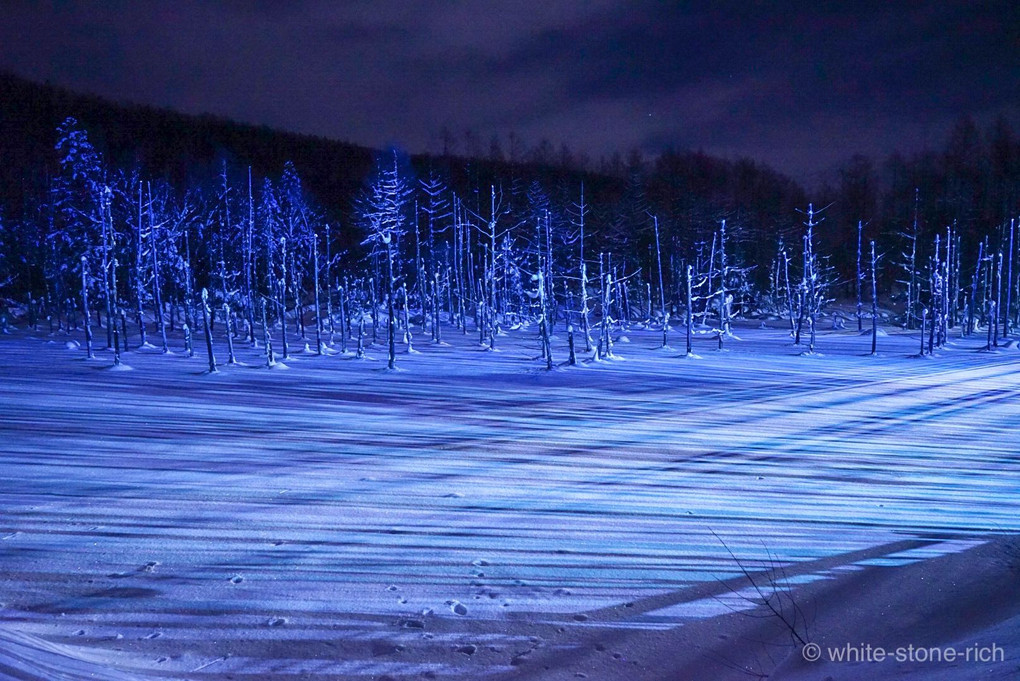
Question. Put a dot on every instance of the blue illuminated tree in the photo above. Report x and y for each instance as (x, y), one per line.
(84, 224)
(382, 211)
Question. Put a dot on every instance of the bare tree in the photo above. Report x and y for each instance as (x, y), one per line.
(383, 215)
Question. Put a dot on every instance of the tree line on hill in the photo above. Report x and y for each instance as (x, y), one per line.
(122, 213)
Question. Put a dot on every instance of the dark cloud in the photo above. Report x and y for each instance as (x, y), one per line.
(800, 85)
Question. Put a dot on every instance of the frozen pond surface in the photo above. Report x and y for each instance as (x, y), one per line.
(336, 520)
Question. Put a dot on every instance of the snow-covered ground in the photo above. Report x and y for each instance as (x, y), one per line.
(471, 514)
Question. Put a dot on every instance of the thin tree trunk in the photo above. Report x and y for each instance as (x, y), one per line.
(156, 293)
(329, 288)
(315, 285)
(407, 320)
(106, 219)
(249, 264)
(139, 283)
(994, 320)
(361, 336)
(874, 302)
(111, 320)
(267, 339)
(860, 277)
(283, 302)
(662, 292)
(345, 323)
(208, 331)
(391, 330)
(85, 307)
(924, 323)
(231, 359)
(690, 312)
(1009, 286)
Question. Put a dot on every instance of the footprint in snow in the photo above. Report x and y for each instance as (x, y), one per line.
(481, 562)
(391, 588)
(453, 495)
(150, 566)
(457, 607)
(236, 579)
(468, 650)
(277, 621)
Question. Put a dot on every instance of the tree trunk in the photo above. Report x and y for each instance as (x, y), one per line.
(407, 320)
(107, 221)
(329, 289)
(249, 264)
(391, 330)
(156, 292)
(662, 291)
(283, 301)
(315, 285)
(267, 339)
(690, 312)
(85, 307)
(231, 359)
(874, 303)
(208, 331)
(113, 313)
(860, 277)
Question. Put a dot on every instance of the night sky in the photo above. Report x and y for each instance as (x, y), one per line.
(801, 88)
